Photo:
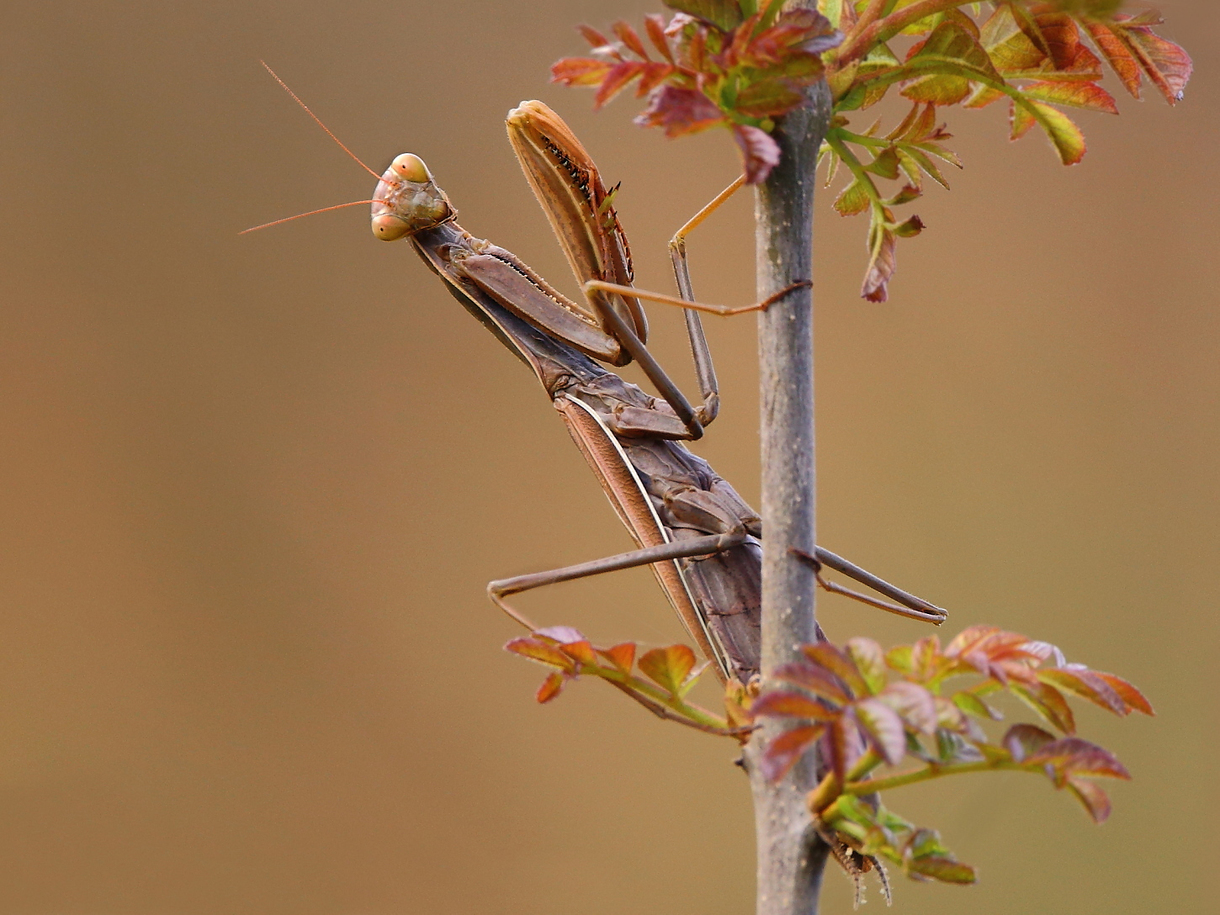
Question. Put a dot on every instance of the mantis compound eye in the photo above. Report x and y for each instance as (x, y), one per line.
(410, 168)
(388, 227)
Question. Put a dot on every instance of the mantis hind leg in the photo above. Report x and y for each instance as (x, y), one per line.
(681, 549)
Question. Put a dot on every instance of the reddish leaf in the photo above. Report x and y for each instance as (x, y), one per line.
(1060, 38)
(842, 741)
(838, 663)
(1084, 683)
(768, 98)
(815, 679)
(1072, 756)
(668, 667)
(884, 728)
(579, 71)
(783, 752)
(580, 652)
(550, 687)
(883, 260)
(1112, 48)
(621, 656)
(617, 79)
(914, 704)
(679, 111)
(540, 651)
(1163, 62)
(654, 25)
(1023, 740)
(968, 639)
(628, 36)
(778, 703)
(1095, 800)
(759, 153)
(1078, 95)
(595, 38)
(1132, 696)
(653, 76)
(906, 194)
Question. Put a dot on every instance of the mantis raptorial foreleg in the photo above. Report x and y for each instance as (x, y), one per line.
(570, 190)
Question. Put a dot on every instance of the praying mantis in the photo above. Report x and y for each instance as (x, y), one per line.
(700, 538)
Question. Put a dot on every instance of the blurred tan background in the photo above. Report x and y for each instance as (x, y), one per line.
(253, 487)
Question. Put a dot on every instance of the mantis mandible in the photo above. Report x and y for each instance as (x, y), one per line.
(700, 538)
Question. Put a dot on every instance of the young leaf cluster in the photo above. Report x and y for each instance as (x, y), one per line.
(659, 679)
(718, 63)
(744, 63)
(907, 712)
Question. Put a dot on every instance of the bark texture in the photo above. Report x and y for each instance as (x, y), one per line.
(790, 857)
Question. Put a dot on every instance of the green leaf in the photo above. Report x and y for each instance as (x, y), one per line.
(946, 870)
(885, 165)
(900, 658)
(870, 661)
(1064, 135)
(909, 227)
(854, 199)
(971, 704)
(951, 51)
(832, 10)
(726, 15)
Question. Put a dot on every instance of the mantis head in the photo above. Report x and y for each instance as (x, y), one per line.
(407, 200)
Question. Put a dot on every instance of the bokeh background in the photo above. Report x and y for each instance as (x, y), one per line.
(252, 487)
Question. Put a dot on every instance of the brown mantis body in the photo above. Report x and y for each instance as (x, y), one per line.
(700, 537)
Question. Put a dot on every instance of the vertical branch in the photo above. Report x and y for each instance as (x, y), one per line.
(790, 857)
